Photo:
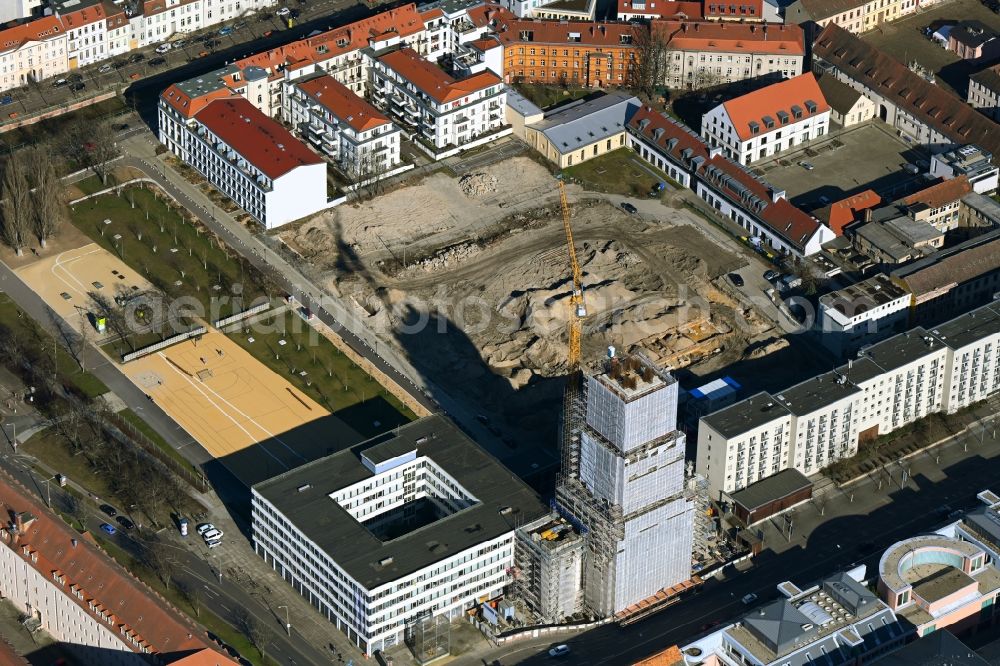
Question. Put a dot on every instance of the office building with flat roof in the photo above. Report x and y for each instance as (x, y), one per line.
(416, 523)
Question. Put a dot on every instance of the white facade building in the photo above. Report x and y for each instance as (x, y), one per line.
(392, 531)
(627, 487)
(12, 10)
(32, 52)
(247, 156)
(362, 141)
(892, 383)
(159, 20)
(970, 161)
(862, 313)
(85, 23)
(444, 114)
(768, 121)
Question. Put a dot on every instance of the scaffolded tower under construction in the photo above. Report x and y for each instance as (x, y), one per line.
(622, 482)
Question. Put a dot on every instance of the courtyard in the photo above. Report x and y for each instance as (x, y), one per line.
(850, 161)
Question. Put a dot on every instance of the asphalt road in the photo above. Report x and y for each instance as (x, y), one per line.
(186, 61)
(217, 593)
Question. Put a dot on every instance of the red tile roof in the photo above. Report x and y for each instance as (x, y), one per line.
(730, 37)
(767, 101)
(846, 211)
(53, 548)
(37, 30)
(668, 135)
(339, 100)
(434, 81)
(189, 106)
(734, 9)
(928, 103)
(941, 194)
(204, 657)
(781, 217)
(557, 32)
(81, 17)
(403, 21)
(662, 8)
(8, 656)
(260, 140)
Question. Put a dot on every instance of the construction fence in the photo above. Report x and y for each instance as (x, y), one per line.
(240, 316)
(163, 344)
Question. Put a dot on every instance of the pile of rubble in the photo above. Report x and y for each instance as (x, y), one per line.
(478, 184)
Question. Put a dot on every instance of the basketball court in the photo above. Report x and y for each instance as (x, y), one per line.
(66, 279)
(224, 398)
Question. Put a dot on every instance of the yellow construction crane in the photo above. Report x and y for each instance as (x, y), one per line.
(579, 310)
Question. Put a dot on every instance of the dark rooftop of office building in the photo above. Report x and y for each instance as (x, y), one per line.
(302, 496)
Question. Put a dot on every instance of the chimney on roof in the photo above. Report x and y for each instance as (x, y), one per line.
(777, 195)
(868, 214)
(684, 27)
(764, 29)
(23, 520)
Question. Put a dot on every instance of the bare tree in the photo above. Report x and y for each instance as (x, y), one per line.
(370, 170)
(154, 555)
(650, 69)
(191, 594)
(16, 206)
(48, 197)
(256, 631)
(75, 509)
(105, 149)
(113, 316)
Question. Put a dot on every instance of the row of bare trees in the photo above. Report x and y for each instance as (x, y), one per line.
(32, 199)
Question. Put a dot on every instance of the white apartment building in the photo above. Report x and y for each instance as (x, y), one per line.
(444, 114)
(892, 383)
(626, 486)
(984, 91)
(415, 525)
(32, 52)
(701, 54)
(85, 23)
(119, 35)
(768, 121)
(359, 138)
(862, 313)
(247, 156)
(159, 20)
(76, 593)
(12, 10)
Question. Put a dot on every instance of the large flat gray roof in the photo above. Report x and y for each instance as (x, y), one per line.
(582, 123)
(358, 551)
(969, 327)
(746, 415)
(775, 487)
(901, 349)
(816, 393)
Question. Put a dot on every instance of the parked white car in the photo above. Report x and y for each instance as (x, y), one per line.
(163, 48)
(212, 535)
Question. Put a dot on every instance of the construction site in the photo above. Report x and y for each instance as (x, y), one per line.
(474, 284)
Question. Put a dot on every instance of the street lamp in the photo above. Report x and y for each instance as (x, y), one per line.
(288, 625)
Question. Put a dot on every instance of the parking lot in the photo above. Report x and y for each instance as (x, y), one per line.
(850, 161)
(905, 41)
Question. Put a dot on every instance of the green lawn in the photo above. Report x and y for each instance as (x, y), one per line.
(178, 257)
(30, 333)
(90, 185)
(53, 450)
(331, 379)
(546, 96)
(618, 172)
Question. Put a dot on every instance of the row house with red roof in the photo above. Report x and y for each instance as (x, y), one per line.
(771, 222)
(85, 23)
(742, 11)
(361, 140)
(82, 598)
(159, 20)
(770, 120)
(32, 51)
